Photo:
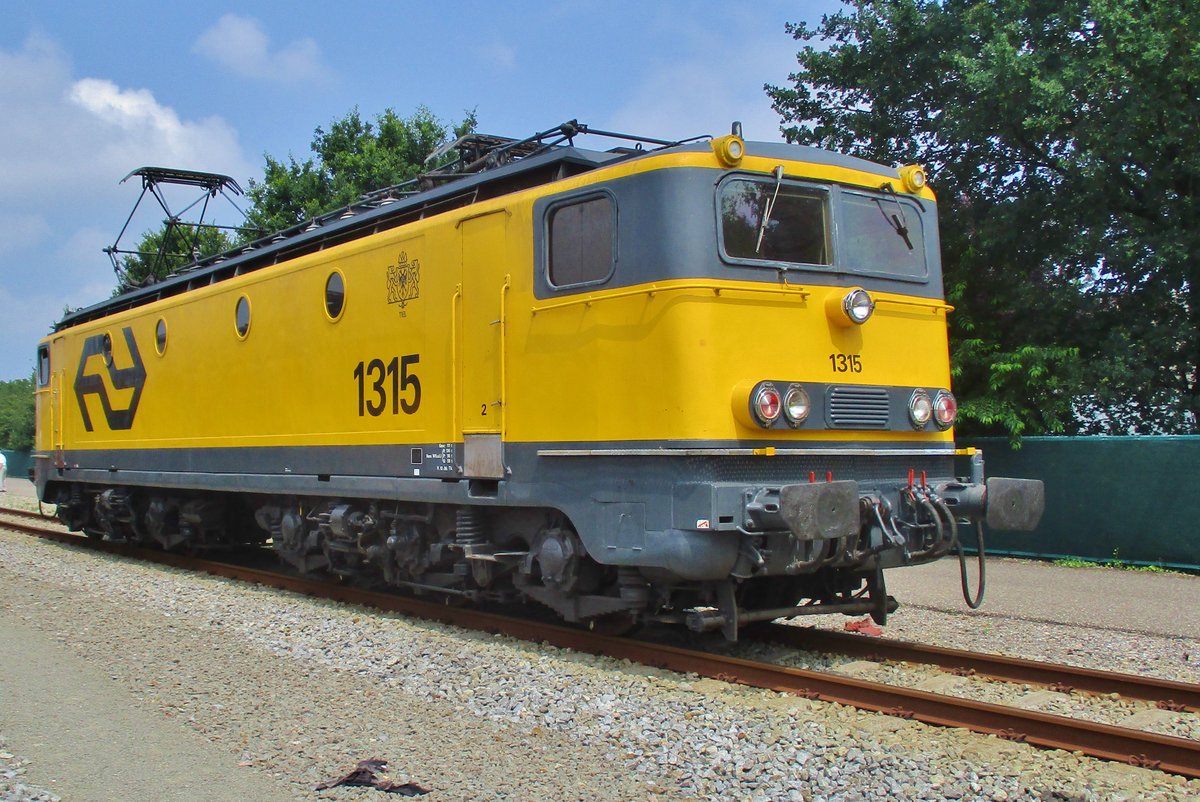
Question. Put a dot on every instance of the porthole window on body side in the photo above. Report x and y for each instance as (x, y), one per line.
(335, 295)
(160, 337)
(108, 349)
(242, 317)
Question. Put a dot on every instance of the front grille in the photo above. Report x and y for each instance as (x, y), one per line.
(858, 407)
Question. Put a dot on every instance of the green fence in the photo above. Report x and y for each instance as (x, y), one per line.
(19, 463)
(1130, 499)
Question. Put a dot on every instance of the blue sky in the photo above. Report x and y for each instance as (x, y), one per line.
(90, 91)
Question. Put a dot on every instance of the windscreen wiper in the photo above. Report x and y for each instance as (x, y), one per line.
(899, 223)
(769, 207)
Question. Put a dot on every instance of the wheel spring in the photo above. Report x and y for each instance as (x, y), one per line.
(468, 527)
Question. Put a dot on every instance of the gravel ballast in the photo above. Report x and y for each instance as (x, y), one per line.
(300, 690)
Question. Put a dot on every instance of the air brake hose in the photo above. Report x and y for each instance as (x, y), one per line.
(962, 568)
(928, 504)
(962, 560)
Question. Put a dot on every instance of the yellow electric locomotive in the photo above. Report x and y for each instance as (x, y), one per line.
(703, 382)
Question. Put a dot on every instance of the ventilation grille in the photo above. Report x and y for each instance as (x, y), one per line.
(858, 407)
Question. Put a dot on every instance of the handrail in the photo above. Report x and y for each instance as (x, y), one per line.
(455, 361)
(654, 290)
(503, 356)
(932, 306)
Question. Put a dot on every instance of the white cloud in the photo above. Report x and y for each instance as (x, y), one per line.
(239, 44)
(137, 130)
(67, 142)
(66, 138)
(498, 55)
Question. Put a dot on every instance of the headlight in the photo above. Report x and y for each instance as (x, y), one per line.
(766, 405)
(945, 409)
(913, 176)
(796, 405)
(920, 409)
(858, 305)
(729, 149)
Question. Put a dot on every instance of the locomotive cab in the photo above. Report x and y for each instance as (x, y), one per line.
(763, 341)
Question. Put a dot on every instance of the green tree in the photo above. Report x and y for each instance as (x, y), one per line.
(1061, 140)
(16, 415)
(354, 156)
(165, 250)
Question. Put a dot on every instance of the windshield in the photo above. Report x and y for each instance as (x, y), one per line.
(797, 229)
(876, 233)
(882, 234)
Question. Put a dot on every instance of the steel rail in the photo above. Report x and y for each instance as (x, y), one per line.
(26, 514)
(1169, 694)
(31, 529)
(1161, 752)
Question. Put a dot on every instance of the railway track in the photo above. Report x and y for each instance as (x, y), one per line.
(1166, 694)
(1166, 753)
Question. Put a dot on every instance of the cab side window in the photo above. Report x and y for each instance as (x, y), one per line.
(581, 241)
(43, 371)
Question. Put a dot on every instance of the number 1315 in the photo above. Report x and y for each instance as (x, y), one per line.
(375, 389)
(846, 363)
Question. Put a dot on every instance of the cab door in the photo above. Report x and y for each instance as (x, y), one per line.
(484, 288)
(49, 399)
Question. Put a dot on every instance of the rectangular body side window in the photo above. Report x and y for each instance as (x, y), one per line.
(581, 241)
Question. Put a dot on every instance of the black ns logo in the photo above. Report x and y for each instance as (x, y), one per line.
(121, 378)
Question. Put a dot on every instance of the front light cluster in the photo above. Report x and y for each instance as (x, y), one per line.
(774, 404)
(768, 405)
(942, 409)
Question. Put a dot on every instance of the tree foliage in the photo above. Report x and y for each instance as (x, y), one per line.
(352, 157)
(163, 251)
(16, 415)
(1061, 140)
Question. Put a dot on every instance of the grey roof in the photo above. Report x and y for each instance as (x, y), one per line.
(341, 224)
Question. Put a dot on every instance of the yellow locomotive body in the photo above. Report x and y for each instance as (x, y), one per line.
(625, 384)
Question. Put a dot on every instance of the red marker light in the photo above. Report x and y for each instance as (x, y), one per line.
(945, 409)
(767, 405)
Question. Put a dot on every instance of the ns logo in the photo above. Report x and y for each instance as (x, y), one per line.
(87, 384)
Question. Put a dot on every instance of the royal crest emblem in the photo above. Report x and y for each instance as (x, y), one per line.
(403, 281)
